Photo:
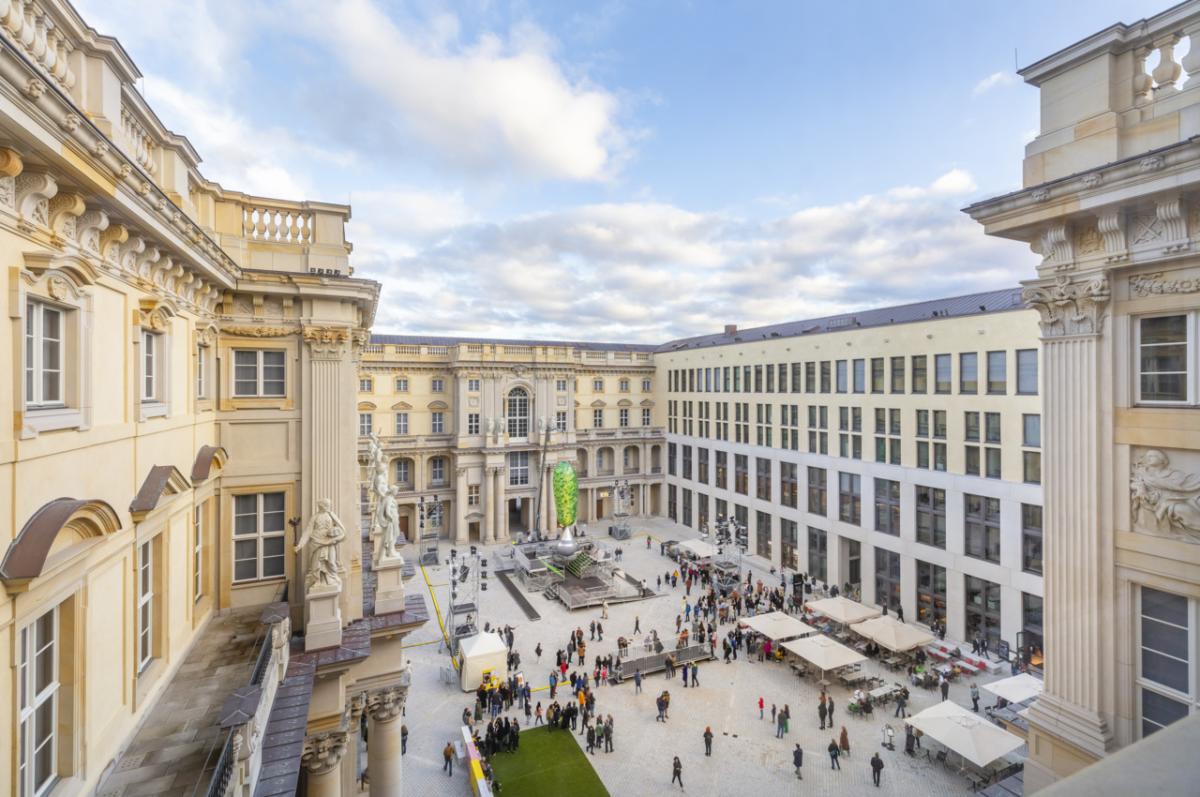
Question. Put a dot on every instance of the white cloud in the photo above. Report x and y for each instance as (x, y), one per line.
(954, 182)
(993, 81)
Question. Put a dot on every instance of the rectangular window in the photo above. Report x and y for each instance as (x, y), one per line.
(145, 604)
(403, 474)
(402, 384)
(762, 473)
(645, 385)
(472, 385)
(1163, 373)
(43, 355)
(931, 593)
(1166, 669)
(887, 578)
(968, 372)
(151, 365)
(850, 498)
(842, 376)
(197, 553)
(971, 427)
(931, 516)
(789, 540)
(788, 485)
(992, 461)
(920, 377)
(939, 424)
(825, 374)
(645, 416)
(259, 372)
(518, 468)
(437, 385)
(401, 423)
(671, 459)
(623, 384)
(623, 417)
(876, 374)
(741, 474)
(887, 506)
(560, 420)
(258, 536)
(687, 462)
(942, 376)
(810, 377)
(991, 427)
(472, 495)
(1032, 430)
(982, 603)
(37, 705)
(1031, 538)
(997, 375)
(897, 385)
(597, 419)
(722, 470)
(560, 385)
(981, 527)
(1031, 467)
(817, 491)
(472, 423)
(366, 384)
(971, 462)
(701, 464)
(437, 422)
(1027, 372)
(818, 554)
(437, 472)
(762, 534)
(1031, 624)
(770, 386)
(860, 376)
(364, 424)
(201, 372)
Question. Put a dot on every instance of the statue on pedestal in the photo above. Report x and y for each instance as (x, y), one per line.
(389, 528)
(323, 535)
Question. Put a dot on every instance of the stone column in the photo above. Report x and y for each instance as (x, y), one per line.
(460, 506)
(322, 758)
(543, 498)
(1079, 597)
(501, 504)
(384, 759)
(551, 508)
(488, 485)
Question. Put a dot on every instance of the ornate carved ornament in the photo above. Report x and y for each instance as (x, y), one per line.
(387, 704)
(1070, 308)
(242, 331)
(1169, 497)
(323, 752)
(328, 341)
(1142, 285)
(153, 314)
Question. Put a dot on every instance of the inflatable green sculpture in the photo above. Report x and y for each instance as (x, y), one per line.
(566, 494)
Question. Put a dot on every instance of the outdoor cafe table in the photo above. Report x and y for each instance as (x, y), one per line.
(885, 692)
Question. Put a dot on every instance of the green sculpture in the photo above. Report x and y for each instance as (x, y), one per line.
(566, 493)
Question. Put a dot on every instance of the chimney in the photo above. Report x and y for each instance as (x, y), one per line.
(731, 329)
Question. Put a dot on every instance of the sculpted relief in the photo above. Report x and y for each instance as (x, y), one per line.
(1162, 499)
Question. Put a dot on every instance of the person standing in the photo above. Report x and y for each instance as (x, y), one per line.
(591, 739)
(686, 668)
(834, 752)
(637, 624)
(821, 712)
(844, 742)
(760, 707)
(695, 670)
(677, 772)
(829, 708)
(448, 760)
(779, 725)
(944, 685)
(708, 737)
(876, 768)
(975, 697)
(403, 740)
(798, 761)
(637, 682)
(901, 704)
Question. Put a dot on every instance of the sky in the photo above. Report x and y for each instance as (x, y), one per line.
(627, 171)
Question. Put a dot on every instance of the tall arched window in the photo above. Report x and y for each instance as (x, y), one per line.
(518, 412)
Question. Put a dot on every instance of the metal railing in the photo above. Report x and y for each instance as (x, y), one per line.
(223, 772)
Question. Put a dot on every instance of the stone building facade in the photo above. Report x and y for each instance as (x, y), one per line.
(1111, 201)
(475, 425)
(182, 383)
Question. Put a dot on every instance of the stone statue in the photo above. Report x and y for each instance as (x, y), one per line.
(323, 535)
(389, 528)
(1171, 496)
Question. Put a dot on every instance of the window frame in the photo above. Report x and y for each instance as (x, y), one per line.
(34, 372)
(144, 608)
(29, 701)
(1190, 323)
(260, 535)
(260, 373)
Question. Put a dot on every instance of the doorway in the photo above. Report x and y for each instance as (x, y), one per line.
(518, 515)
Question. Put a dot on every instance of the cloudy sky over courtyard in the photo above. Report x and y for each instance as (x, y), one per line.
(627, 171)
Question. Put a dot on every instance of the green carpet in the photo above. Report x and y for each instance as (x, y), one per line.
(547, 764)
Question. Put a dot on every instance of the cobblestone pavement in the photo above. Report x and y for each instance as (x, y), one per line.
(747, 758)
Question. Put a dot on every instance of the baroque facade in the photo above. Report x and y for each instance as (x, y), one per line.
(476, 426)
(893, 452)
(181, 390)
(1111, 201)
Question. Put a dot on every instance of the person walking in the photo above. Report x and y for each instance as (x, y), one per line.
(637, 624)
(695, 670)
(798, 761)
(902, 704)
(677, 772)
(773, 712)
(538, 652)
(944, 685)
(844, 742)
(975, 697)
(829, 708)
(821, 712)
(780, 724)
(637, 682)
(708, 737)
(448, 760)
(834, 752)
(876, 768)
(537, 714)
(591, 739)
(760, 707)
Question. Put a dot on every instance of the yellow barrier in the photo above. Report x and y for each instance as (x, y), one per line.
(438, 612)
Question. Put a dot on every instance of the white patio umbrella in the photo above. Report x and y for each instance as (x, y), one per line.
(843, 610)
(823, 653)
(778, 625)
(892, 634)
(964, 732)
(1016, 689)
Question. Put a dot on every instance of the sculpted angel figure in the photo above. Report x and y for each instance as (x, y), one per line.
(1172, 496)
(323, 536)
(389, 527)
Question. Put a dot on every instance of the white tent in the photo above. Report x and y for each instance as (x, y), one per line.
(1016, 689)
(823, 653)
(699, 549)
(778, 625)
(964, 732)
(843, 610)
(892, 634)
(480, 655)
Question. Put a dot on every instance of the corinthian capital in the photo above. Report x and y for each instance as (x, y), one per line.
(1070, 308)
(386, 704)
(323, 752)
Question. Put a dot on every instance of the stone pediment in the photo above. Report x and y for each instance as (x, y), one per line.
(366, 406)
(56, 528)
(438, 405)
(402, 405)
(598, 404)
(162, 480)
(206, 457)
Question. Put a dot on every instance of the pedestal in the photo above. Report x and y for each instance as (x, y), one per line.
(389, 586)
(323, 619)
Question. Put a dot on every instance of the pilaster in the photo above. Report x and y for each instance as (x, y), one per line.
(461, 535)
(385, 745)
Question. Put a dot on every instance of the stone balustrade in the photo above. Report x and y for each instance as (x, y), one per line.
(29, 26)
(277, 223)
(137, 141)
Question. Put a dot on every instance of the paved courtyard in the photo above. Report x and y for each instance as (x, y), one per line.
(747, 758)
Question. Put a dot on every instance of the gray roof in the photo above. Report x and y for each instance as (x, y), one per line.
(953, 307)
(425, 340)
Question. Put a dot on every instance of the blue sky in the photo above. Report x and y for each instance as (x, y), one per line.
(626, 170)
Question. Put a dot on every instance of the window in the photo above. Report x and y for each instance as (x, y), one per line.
(887, 578)
(560, 385)
(860, 376)
(623, 385)
(941, 373)
(403, 473)
(842, 376)
(997, 375)
(971, 426)
(701, 464)
(145, 604)
(671, 502)
(818, 554)
(762, 534)
(518, 412)
(983, 609)
(623, 417)
(437, 385)
(981, 519)
(1163, 343)
(818, 491)
(437, 472)
(597, 419)
(646, 385)
(968, 372)
(1031, 538)
(401, 423)
(364, 424)
(671, 459)
(560, 420)
(37, 692)
(201, 372)
(1027, 372)
(971, 461)
(472, 495)
(402, 384)
(1031, 625)
(1031, 437)
(1166, 672)
(722, 470)
(1032, 426)
(437, 422)
(850, 498)
(197, 553)
(258, 372)
(931, 516)
(920, 364)
(931, 592)
(598, 385)
(645, 416)
(365, 384)
(789, 539)
(877, 375)
(44, 334)
(151, 366)
(887, 506)
(991, 426)
(473, 385)
(897, 375)
(258, 536)
(741, 474)
(686, 462)
(687, 508)
(518, 468)
(788, 486)
(992, 462)
(762, 470)
(472, 423)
